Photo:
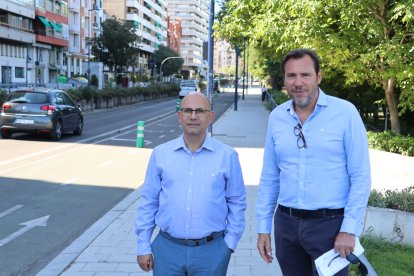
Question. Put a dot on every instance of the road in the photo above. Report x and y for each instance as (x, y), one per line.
(51, 192)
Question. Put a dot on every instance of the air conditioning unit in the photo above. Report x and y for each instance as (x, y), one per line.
(95, 25)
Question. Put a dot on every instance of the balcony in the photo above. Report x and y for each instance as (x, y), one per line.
(17, 34)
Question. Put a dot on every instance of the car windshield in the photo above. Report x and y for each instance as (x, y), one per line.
(28, 97)
(190, 84)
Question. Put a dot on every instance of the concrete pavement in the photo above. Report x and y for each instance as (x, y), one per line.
(108, 247)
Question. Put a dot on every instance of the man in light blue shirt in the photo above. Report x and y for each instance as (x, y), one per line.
(194, 192)
(315, 168)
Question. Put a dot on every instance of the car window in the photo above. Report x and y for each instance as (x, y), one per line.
(59, 99)
(68, 100)
(28, 97)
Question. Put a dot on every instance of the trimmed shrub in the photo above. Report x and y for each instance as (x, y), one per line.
(399, 200)
(391, 142)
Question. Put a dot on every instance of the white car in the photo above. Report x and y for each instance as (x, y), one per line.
(187, 87)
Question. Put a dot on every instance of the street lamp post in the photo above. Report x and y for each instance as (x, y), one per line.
(94, 8)
(163, 63)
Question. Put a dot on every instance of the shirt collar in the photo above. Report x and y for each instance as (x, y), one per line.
(208, 143)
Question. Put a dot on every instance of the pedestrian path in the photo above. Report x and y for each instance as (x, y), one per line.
(108, 246)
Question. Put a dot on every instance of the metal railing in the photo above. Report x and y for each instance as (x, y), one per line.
(270, 101)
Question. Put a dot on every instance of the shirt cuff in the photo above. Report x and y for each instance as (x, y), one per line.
(231, 241)
(144, 248)
(351, 226)
(264, 227)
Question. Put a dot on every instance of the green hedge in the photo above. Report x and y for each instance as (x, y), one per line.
(90, 93)
(3, 95)
(400, 200)
(391, 142)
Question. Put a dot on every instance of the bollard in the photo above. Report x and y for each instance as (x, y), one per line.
(140, 134)
(178, 105)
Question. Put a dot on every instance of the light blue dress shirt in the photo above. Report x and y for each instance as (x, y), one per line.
(190, 195)
(333, 171)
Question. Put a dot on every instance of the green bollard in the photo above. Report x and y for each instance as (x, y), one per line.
(178, 105)
(140, 134)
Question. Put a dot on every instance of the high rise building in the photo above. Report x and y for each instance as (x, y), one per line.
(150, 19)
(194, 16)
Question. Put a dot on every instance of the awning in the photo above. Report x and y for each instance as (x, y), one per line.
(45, 22)
(56, 27)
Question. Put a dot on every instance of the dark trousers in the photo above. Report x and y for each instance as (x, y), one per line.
(263, 96)
(300, 241)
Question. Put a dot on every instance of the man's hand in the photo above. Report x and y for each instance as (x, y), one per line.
(146, 262)
(344, 244)
(265, 248)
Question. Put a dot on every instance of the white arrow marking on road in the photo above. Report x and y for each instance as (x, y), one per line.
(11, 210)
(28, 225)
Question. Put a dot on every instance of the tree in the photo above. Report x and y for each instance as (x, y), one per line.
(117, 46)
(365, 41)
(170, 66)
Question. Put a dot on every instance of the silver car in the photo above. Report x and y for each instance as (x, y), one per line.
(40, 110)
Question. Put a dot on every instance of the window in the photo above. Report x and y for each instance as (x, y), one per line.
(19, 72)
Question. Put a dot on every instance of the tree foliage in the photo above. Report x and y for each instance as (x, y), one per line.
(365, 41)
(170, 66)
(117, 46)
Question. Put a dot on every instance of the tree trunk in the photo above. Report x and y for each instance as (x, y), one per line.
(392, 105)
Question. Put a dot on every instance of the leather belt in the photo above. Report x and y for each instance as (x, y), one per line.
(310, 214)
(193, 242)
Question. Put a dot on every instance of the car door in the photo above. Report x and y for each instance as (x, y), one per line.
(65, 113)
(73, 111)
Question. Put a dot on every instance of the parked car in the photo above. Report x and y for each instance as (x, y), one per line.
(40, 110)
(187, 86)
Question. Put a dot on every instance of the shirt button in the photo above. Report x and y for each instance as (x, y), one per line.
(191, 173)
(189, 190)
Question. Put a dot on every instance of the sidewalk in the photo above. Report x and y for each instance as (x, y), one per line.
(108, 246)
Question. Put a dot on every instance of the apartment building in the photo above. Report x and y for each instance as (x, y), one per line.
(194, 16)
(224, 57)
(174, 34)
(16, 38)
(150, 20)
(85, 19)
(43, 39)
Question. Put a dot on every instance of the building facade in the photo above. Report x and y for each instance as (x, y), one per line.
(224, 58)
(41, 40)
(16, 39)
(150, 20)
(194, 16)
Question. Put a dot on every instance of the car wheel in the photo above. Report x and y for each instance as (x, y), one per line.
(79, 128)
(6, 134)
(56, 133)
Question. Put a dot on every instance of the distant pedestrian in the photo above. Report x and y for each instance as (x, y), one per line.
(264, 90)
(194, 192)
(316, 168)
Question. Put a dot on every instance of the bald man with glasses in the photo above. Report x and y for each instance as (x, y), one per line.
(194, 192)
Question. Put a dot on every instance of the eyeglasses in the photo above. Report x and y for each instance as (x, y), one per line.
(353, 259)
(301, 142)
(200, 112)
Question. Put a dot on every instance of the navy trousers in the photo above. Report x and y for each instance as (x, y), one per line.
(300, 241)
(173, 259)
